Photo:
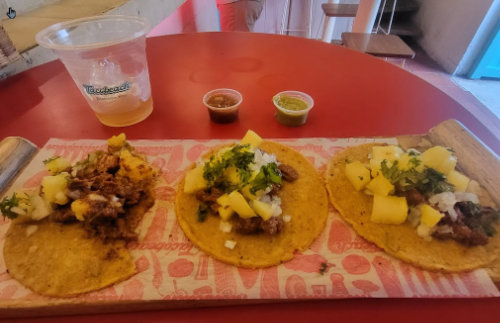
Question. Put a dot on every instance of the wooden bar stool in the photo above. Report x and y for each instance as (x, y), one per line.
(333, 9)
(378, 44)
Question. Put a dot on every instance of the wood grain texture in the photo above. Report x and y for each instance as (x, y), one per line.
(378, 45)
(474, 158)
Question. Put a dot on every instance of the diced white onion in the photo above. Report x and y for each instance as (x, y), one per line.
(225, 226)
(413, 150)
(276, 209)
(41, 208)
(424, 231)
(261, 159)
(18, 210)
(97, 197)
(116, 204)
(230, 244)
(31, 229)
(414, 216)
(445, 202)
(287, 218)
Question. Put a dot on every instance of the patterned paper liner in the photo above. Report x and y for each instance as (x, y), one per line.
(169, 267)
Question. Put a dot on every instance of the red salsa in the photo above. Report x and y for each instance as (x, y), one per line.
(220, 112)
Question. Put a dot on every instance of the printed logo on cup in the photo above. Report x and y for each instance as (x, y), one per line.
(107, 92)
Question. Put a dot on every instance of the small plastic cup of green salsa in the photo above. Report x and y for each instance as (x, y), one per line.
(292, 107)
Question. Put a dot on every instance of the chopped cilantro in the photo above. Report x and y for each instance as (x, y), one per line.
(213, 170)
(239, 156)
(415, 161)
(202, 212)
(434, 182)
(268, 175)
(7, 204)
(428, 182)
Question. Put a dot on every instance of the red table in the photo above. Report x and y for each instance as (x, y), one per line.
(355, 95)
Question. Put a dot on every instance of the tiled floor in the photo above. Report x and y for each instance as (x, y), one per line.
(485, 90)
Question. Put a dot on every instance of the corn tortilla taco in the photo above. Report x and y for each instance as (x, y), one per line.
(419, 239)
(262, 233)
(69, 236)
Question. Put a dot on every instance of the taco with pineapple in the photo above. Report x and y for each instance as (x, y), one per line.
(415, 205)
(252, 204)
(70, 236)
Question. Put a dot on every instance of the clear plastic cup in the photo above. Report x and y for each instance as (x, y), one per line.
(223, 104)
(106, 57)
(292, 107)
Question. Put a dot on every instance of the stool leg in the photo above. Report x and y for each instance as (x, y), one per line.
(365, 17)
(328, 26)
(328, 29)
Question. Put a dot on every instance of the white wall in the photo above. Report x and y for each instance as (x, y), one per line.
(448, 27)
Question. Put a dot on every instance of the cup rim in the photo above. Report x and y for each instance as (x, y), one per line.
(296, 94)
(41, 36)
(226, 109)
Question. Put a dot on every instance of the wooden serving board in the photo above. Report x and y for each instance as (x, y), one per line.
(171, 273)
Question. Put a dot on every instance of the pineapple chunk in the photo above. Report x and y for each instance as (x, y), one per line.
(246, 193)
(447, 165)
(380, 185)
(232, 175)
(439, 158)
(251, 138)
(56, 165)
(134, 167)
(225, 212)
(390, 153)
(265, 210)
(117, 141)
(54, 187)
(357, 174)
(80, 207)
(223, 200)
(375, 166)
(238, 203)
(430, 216)
(194, 180)
(407, 161)
(459, 180)
(389, 209)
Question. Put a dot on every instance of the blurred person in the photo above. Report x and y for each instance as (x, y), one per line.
(239, 15)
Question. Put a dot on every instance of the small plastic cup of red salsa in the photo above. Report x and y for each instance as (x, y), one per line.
(292, 107)
(223, 104)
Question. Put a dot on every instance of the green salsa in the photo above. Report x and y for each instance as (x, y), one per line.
(292, 104)
(294, 111)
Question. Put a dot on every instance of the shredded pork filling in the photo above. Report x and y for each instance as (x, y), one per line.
(110, 198)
